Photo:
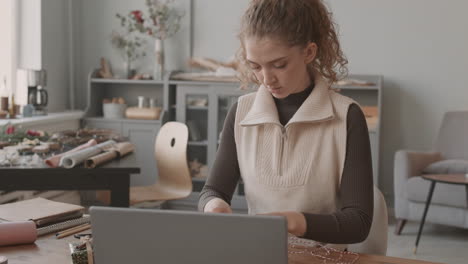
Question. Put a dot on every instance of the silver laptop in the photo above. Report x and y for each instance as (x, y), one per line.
(127, 235)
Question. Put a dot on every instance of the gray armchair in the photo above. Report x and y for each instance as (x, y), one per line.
(449, 203)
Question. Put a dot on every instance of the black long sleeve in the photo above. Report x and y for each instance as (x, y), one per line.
(351, 222)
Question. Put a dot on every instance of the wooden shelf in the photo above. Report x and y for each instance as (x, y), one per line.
(186, 82)
(352, 87)
(126, 120)
(126, 81)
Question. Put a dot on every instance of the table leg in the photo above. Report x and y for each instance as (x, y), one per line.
(428, 202)
(120, 190)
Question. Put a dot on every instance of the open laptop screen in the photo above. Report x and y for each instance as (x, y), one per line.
(127, 235)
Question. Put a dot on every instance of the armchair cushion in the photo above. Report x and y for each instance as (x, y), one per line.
(452, 166)
(444, 194)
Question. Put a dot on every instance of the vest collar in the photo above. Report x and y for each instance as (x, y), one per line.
(317, 107)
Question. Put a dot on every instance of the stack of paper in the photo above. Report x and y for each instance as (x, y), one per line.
(41, 211)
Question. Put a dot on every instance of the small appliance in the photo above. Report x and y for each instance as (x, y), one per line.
(37, 94)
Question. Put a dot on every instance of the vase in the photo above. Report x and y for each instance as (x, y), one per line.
(158, 71)
(128, 71)
(127, 68)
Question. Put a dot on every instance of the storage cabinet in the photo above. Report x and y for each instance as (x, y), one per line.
(141, 133)
(143, 137)
(192, 107)
(203, 106)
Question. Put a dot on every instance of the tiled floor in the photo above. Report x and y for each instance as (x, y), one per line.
(438, 243)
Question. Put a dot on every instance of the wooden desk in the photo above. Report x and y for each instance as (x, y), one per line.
(113, 176)
(48, 249)
(363, 259)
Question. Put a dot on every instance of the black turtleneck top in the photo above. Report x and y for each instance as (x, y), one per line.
(351, 222)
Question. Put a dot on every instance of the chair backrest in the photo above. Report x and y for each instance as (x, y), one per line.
(376, 241)
(452, 141)
(170, 152)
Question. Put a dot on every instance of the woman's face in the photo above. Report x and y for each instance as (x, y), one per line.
(282, 69)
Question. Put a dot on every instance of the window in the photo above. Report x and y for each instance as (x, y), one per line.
(7, 47)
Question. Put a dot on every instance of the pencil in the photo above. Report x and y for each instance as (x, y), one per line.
(72, 231)
(71, 228)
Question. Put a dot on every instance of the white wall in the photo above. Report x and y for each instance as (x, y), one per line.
(29, 35)
(215, 27)
(5, 46)
(29, 30)
(94, 23)
(55, 50)
(43, 44)
(419, 47)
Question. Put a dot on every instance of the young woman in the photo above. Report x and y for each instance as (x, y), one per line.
(301, 149)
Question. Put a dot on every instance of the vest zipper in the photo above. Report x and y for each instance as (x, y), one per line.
(283, 138)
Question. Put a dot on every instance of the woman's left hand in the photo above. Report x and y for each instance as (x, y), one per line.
(296, 222)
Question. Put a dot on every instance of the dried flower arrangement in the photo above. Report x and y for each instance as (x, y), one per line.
(161, 22)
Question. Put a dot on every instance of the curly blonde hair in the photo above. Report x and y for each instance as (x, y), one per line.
(298, 22)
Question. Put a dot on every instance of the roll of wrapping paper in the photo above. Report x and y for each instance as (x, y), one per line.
(75, 158)
(16, 233)
(54, 161)
(143, 113)
(120, 150)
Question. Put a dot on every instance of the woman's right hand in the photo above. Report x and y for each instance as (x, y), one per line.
(217, 205)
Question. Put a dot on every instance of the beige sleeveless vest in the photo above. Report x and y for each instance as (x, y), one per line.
(296, 167)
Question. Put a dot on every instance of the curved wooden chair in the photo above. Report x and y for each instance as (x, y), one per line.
(174, 180)
(376, 241)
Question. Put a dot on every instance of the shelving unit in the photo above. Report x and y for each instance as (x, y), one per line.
(141, 133)
(126, 120)
(221, 95)
(203, 106)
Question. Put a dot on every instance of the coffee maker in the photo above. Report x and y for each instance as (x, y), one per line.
(37, 95)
